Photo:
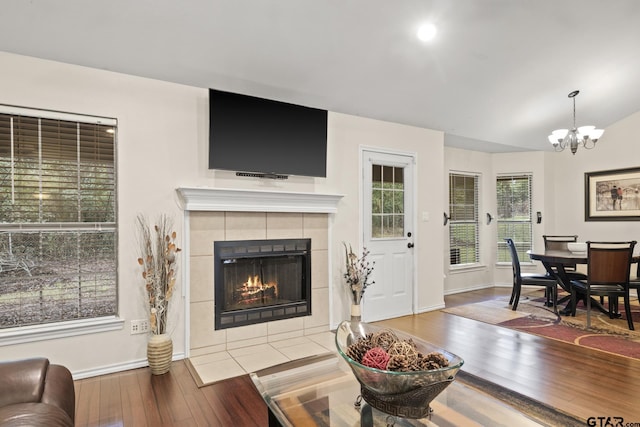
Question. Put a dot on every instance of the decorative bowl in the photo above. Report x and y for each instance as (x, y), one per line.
(577, 247)
(403, 394)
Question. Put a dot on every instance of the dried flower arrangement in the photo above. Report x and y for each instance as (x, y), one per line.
(158, 258)
(358, 271)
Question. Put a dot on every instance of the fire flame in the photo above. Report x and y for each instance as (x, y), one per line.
(254, 284)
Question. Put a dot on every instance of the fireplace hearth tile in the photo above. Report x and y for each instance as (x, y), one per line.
(244, 351)
(303, 350)
(210, 358)
(209, 368)
(279, 345)
(325, 339)
(220, 370)
(261, 359)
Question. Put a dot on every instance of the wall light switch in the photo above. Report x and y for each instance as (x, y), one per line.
(425, 216)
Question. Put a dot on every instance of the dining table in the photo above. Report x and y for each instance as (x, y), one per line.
(556, 263)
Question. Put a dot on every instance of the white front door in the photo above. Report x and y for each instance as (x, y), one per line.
(388, 233)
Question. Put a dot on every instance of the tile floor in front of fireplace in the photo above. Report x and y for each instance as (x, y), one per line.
(209, 368)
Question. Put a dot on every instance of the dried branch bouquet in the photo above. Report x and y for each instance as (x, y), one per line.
(158, 258)
(358, 271)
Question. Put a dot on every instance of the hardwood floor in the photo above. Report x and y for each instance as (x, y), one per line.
(582, 382)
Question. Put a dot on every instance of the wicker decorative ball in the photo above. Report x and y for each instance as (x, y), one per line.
(404, 348)
(376, 357)
(384, 339)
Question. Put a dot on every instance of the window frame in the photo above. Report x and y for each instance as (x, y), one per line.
(65, 328)
(476, 220)
(501, 245)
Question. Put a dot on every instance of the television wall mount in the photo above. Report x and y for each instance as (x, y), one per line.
(262, 175)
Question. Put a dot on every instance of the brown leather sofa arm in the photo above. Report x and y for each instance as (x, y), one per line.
(22, 381)
(36, 393)
(59, 390)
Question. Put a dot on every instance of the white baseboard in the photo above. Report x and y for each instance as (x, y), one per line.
(468, 289)
(120, 367)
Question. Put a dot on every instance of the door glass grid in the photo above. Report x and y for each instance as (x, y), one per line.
(387, 201)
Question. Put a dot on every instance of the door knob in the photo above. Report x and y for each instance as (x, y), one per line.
(409, 245)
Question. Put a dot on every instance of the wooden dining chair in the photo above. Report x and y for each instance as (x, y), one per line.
(521, 279)
(634, 282)
(608, 270)
(559, 243)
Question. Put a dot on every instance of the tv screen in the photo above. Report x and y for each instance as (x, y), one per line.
(250, 134)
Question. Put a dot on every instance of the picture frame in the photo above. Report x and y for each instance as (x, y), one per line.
(612, 195)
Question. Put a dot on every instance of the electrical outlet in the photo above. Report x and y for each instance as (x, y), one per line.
(139, 326)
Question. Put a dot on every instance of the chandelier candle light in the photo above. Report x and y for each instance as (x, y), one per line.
(587, 136)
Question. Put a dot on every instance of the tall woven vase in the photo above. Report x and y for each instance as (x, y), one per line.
(159, 353)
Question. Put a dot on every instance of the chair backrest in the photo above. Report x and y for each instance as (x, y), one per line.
(558, 243)
(609, 262)
(515, 261)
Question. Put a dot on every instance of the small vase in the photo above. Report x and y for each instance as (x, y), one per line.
(356, 314)
(159, 353)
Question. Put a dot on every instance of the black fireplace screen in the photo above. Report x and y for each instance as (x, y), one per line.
(261, 280)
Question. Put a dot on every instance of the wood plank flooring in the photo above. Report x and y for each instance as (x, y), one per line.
(575, 380)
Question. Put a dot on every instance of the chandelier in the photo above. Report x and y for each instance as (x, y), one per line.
(587, 136)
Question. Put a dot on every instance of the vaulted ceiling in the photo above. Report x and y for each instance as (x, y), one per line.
(495, 78)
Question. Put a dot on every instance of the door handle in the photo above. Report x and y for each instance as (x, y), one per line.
(409, 245)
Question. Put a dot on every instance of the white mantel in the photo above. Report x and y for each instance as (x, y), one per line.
(241, 200)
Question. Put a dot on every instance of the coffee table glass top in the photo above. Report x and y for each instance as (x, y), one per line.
(322, 391)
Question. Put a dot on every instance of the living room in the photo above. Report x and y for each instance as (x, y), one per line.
(163, 146)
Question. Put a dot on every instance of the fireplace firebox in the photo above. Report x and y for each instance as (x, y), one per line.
(261, 280)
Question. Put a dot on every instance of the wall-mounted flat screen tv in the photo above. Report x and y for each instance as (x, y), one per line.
(251, 134)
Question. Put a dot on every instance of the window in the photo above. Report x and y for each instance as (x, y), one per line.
(463, 222)
(57, 217)
(387, 201)
(514, 215)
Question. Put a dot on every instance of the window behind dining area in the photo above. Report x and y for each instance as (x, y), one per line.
(463, 222)
(514, 218)
(57, 217)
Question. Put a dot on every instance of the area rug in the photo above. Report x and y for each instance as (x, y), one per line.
(605, 334)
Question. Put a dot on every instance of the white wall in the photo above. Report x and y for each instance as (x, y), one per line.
(346, 135)
(618, 149)
(162, 145)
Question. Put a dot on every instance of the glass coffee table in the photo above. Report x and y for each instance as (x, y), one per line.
(322, 391)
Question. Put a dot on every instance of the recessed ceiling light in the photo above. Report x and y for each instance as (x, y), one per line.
(427, 32)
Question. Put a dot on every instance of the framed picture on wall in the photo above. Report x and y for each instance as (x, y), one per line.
(612, 195)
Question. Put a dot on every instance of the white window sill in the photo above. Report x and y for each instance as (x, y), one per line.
(509, 266)
(465, 268)
(25, 334)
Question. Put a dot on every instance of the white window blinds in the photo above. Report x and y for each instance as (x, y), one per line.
(57, 217)
(463, 222)
(514, 218)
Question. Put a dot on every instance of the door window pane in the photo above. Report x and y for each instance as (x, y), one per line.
(387, 202)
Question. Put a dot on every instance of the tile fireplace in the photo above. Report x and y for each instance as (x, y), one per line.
(219, 215)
